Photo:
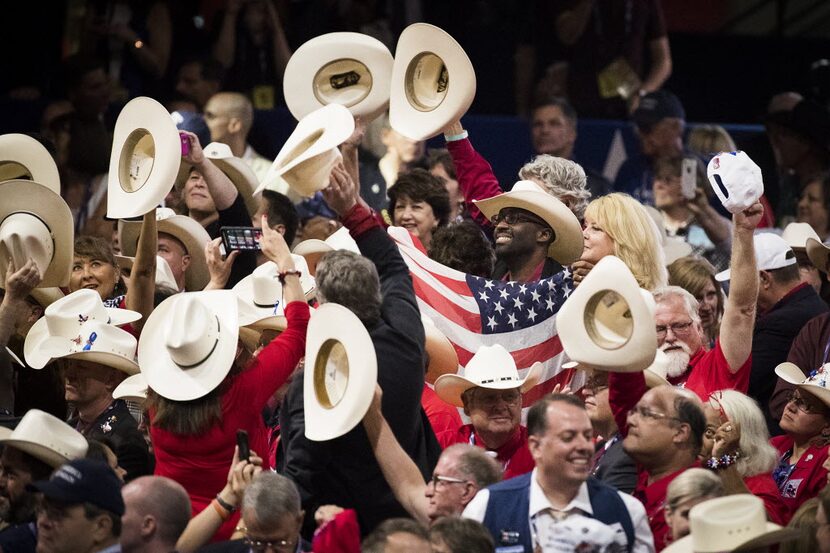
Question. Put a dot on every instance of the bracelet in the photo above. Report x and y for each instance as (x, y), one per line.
(281, 276)
(224, 504)
(223, 514)
(724, 461)
(464, 134)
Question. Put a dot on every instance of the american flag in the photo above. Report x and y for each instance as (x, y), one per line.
(473, 311)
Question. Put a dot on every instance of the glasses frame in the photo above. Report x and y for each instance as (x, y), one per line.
(800, 404)
(678, 329)
(650, 414)
(514, 217)
(436, 478)
(281, 545)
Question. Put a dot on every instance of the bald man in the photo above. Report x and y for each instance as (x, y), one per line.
(157, 510)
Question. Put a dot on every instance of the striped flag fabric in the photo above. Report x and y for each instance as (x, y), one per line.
(473, 311)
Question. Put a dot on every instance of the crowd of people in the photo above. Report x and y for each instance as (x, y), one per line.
(331, 389)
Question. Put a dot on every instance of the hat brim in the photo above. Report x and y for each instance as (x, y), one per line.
(111, 360)
(817, 253)
(142, 116)
(301, 94)
(132, 388)
(36, 450)
(789, 372)
(47, 296)
(333, 323)
(23, 196)
(239, 173)
(420, 122)
(23, 157)
(450, 387)
(654, 380)
(773, 534)
(567, 245)
(170, 380)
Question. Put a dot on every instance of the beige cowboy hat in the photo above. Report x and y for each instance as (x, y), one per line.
(96, 342)
(313, 249)
(36, 223)
(164, 275)
(816, 382)
(262, 292)
(732, 523)
(132, 388)
(24, 158)
(818, 253)
(189, 342)
(146, 154)
(796, 235)
(65, 317)
(567, 244)
(340, 372)
(46, 438)
(443, 359)
(491, 367)
(608, 322)
(239, 173)
(433, 82)
(351, 69)
(188, 231)
(310, 153)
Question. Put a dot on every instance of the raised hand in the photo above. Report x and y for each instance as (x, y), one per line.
(341, 193)
(274, 248)
(749, 218)
(219, 269)
(21, 282)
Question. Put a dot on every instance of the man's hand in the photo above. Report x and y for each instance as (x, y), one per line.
(749, 218)
(219, 269)
(341, 194)
(196, 156)
(454, 128)
(240, 476)
(21, 282)
(274, 248)
(580, 270)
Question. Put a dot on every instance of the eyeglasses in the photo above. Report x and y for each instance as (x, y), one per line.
(645, 412)
(436, 479)
(679, 329)
(261, 546)
(491, 398)
(803, 405)
(513, 217)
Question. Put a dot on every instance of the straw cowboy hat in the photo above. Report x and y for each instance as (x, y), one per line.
(64, 319)
(308, 156)
(608, 322)
(46, 438)
(491, 367)
(189, 232)
(36, 223)
(817, 253)
(796, 235)
(132, 388)
(568, 242)
(239, 173)
(96, 342)
(164, 275)
(732, 523)
(340, 372)
(23, 157)
(189, 342)
(146, 154)
(433, 82)
(443, 359)
(319, 74)
(262, 292)
(815, 382)
(313, 249)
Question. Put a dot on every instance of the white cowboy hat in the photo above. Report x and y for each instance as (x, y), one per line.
(340, 372)
(146, 154)
(188, 343)
(818, 253)
(796, 235)
(732, 523)
(239, 173)
(816, 382)
(443, 359)
(608, 322)
(64, 318)
(96, 342)
(308, 156)
(262, 292)
(164, 275)
(23, 157)
(313, 249)
(132, 388)
(46, 438)
(433, 82)
(318, 74)
(491, 367)
(36, 223)
(188, 231)
(568, 243)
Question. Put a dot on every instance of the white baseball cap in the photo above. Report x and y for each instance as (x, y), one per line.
(736, 180)
(771, 252)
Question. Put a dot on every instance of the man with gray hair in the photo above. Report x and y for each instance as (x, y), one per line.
(156, 512)
(561, 178)
(378, 289)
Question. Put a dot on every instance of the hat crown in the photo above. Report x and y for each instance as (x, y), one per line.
(23, 236)
(735, 179)
(796, 234)
(65, 317)
(218, 150)
(341, 239)
(98, 336)
(725, 523)
(491, 367)
(192, 332)
(163, 213)
(527, 186)
(772, 251)
(48, 431)
(267, 290)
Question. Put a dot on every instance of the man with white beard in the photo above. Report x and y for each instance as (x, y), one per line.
(679, 332)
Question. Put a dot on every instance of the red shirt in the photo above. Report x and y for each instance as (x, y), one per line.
(763, 486)
(807, 478)
(653, 498)
(513, 455)
(201, 463)
(443, 417)
(709, 372)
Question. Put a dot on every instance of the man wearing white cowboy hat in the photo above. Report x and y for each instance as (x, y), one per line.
(38, 445)
(491, 394)
(378, 290)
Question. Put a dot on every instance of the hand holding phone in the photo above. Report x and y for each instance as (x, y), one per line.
(185, 140)
(688, 178)
(242, 443)
(240, 238)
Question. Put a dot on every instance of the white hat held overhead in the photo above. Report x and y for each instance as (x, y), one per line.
(164, 275)
(771, 252)
(433, 82)
(46, 438)
(23, 157)
(736, 180)
(313, 249)
(351, 69)
(146, 154)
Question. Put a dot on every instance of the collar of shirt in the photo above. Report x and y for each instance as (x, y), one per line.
(539, 502)
(537, 273)
(115, 548)
(785, 298)
(507, 450)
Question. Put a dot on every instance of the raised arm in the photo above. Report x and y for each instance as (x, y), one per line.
(143, 275)
(224, 49)
(739, 313)
(219, 185)
(570, 24)
(661, 64)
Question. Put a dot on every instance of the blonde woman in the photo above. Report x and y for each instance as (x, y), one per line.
(691, 487)
(697, 276)
(619, 225)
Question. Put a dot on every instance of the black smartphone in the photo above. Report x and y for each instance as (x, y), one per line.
(240, 238)
(242, 442)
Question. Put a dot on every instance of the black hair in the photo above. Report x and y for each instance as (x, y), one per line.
(281, 211)
(537, 420)
(419, 185)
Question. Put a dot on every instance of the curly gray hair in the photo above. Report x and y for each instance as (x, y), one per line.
(562, 178)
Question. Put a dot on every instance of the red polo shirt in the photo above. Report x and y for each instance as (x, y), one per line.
(514, 455)
(807, 478)
(653, 498)
(709, 372)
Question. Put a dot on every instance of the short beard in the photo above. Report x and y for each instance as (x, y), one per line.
(18, 513)
(678, 360)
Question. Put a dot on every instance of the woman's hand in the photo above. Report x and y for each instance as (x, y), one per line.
(219, 269)
(274, 248)
(196, 155)
(580, 270)
(727, 439)
(240, 476)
